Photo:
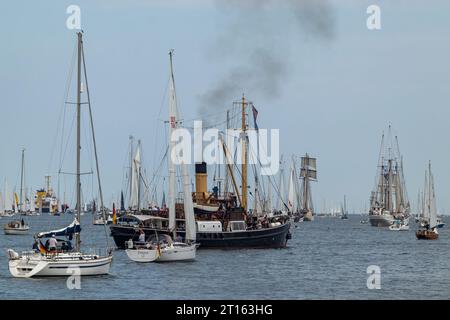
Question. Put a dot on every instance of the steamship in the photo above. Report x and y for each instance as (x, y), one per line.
(221, 223)
(222, 219)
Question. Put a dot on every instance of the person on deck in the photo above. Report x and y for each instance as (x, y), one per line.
(142, 237)
(52, 243)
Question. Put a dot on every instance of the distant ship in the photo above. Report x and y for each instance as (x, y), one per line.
(428, 215)
(46, 201)
(308, 172)
(388, 200)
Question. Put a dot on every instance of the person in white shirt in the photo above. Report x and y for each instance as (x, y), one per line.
(52, 243)
(142, 236)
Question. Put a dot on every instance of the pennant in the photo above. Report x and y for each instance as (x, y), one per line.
(255, 115)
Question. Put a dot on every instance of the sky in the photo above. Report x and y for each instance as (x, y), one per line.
(312, 68)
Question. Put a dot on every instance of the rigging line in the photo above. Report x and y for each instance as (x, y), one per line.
(68, 139)
(160, 165)
(157, 121)
(95, 147)
(62, 111)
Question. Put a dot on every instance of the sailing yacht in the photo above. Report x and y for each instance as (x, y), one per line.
(62, 259)
(388, 200)
(429, 210)
(167, 249)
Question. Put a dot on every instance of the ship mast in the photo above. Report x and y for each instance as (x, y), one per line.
(78, 240)
(131, 169)
(21, 209)
(244, 156)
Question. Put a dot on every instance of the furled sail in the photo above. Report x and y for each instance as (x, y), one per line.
(73, 228)
(135, 179)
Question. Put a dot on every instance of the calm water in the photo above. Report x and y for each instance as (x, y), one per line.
(325, 259)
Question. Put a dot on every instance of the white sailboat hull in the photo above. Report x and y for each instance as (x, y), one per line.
(16, 231)
(142, 255)
(60, 265)
(178, 252)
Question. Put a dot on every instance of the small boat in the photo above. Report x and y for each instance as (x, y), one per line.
(429, 211)
(101, 221)
(427, 234)
(162, 248)
(16, 228)
(399, 225)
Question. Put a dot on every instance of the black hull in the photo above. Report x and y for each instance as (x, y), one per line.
(275, 237)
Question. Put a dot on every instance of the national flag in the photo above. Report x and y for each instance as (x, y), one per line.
(114, 214)
(158, 251)
(42, 248)
(255, 115)
(16, 198)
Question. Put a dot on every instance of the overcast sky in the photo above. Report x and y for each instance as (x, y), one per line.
(315, 72)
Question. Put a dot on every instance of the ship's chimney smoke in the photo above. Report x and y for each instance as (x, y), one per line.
(255, 46)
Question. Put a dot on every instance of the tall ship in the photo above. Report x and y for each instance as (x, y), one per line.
(308, 173)
(223, 218)
(389, 201)
(46, 201)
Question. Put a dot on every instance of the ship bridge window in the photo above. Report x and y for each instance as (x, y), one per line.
(237, 226)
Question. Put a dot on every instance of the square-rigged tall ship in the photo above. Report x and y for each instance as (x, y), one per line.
(388, 200)
(223, 219)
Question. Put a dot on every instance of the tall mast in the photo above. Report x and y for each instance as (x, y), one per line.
(138, 176)
(171, 165)
(305, 183)
(21, 182)
(78, 240)
(131, 169)
(244, 156)
(225, 191)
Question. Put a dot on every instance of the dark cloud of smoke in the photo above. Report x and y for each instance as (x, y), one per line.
(255, 46)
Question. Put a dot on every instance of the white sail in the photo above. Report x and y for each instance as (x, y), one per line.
(291, 190)
(171, 164)
(2, 204)
(32, 203)
(432, 197)
(188, 205)
(8, 202)
(136, 165)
